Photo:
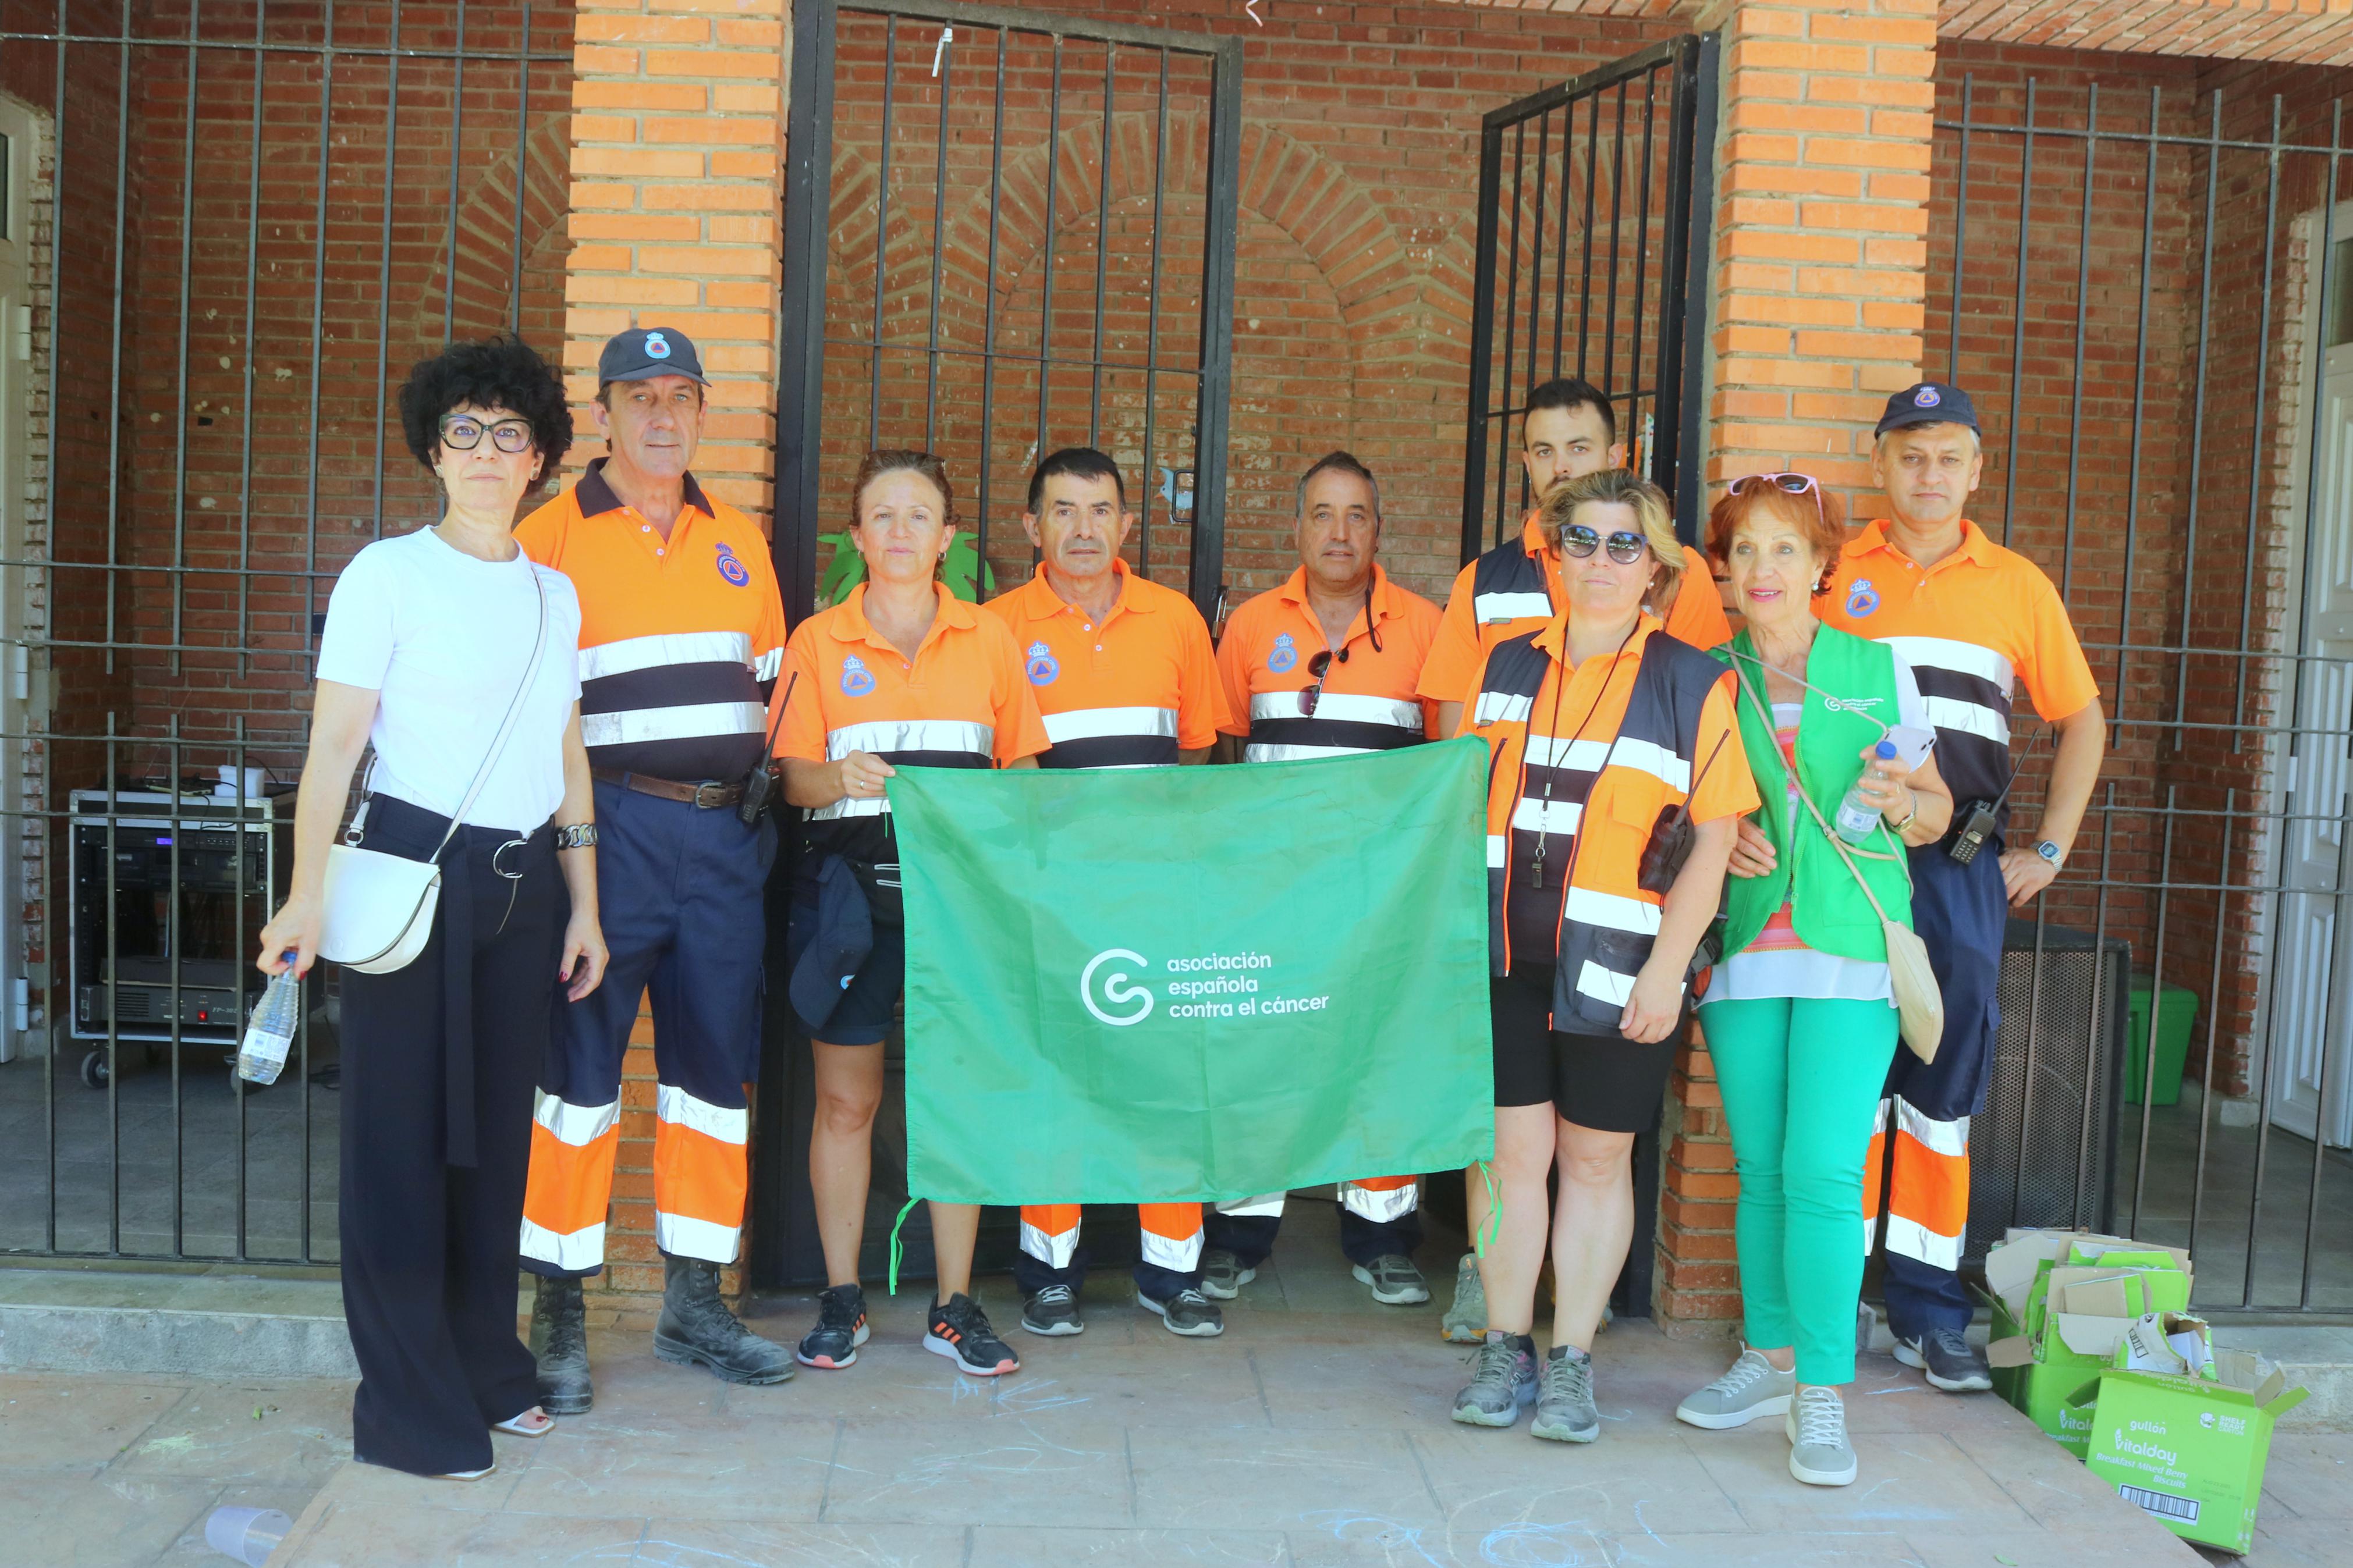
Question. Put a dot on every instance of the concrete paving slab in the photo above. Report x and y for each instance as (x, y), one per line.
(774, 1466)
(97, 1519)
(2284, 1539)
(389, 1535)
(1622, 1486)
(1259, 1481)
(247, 1434)
(1007, 1472)
(2312, 1473)
(1911, 1481)
(63, 1423)
(730, 1544)
(1016, 1547)
(2107, 1548)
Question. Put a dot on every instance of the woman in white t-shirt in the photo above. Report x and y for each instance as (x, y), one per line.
(431, 638)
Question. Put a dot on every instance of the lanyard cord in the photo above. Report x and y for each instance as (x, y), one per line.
(1519, 791)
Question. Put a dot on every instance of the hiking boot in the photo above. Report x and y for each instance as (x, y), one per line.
(1504, 1380)
(1222, 1274)
(1053, 1312)
(1465, 1322)
(559, 1340)
(1820, 1454)
(1753, 1387)
(840, 1328)
(697, 1330)
(1951, 1362)
(1395, 1281)
(959, 1330)
(1565, 1412)
(1188, 1312)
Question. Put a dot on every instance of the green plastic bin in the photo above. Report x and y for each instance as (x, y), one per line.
(2173, 1020)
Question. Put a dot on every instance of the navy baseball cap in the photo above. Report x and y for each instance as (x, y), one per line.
(643, 352)
(1927, 402)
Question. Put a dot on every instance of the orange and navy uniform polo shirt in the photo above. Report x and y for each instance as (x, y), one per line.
(1129, 692)
(1368, 700)
(1476, 622)
(961, 702)
(1970, 627)
(1547, 778)
(676, 634)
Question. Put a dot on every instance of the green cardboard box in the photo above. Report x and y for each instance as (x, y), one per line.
(2191, 1451)
(2057, 1322)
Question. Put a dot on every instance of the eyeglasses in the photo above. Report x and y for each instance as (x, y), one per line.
(463, 433)
(1625, 547)
(1318, 667)
(1790, 484)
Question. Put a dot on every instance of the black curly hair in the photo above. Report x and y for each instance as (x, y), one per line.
(501, 371)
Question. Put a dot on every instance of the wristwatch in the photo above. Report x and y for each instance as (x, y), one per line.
(579, 835)
(2052, 852)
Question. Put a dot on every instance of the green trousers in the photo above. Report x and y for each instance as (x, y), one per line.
(1800, 1080)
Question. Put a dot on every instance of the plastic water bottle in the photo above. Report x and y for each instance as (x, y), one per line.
(1857, 818)
(262, 1056)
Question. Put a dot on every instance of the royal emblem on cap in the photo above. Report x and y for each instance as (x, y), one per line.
(1042, 667)
(857, 680)
(657, 346)
(1927, 397)
(1283, 655)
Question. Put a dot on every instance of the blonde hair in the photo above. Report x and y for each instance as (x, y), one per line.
(1619, 487)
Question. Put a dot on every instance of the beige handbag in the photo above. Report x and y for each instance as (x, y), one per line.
(378, 908)
(1919, 1000)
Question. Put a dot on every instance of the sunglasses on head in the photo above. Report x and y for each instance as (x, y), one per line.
(1790, 484)
(1624, 546)
(463, 433)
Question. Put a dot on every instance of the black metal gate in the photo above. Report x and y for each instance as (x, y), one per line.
(1594, 203)
(1006, 232)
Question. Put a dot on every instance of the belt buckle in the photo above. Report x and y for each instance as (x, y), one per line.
(702, 804)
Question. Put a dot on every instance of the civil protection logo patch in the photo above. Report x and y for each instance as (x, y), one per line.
(1042, 668)
(857, 680)
(731, 569)
(1283, 655)
(657, 346)
(1861, 598)
(1927, 397)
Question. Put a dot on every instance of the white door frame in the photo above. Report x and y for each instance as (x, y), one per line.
(24, 128)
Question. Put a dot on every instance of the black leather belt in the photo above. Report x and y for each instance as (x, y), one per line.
(709, 796)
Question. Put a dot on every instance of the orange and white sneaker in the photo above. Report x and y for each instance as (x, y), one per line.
(959, 1330)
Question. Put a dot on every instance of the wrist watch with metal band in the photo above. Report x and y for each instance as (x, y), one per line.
(2052, 853)
(1910, 817)
(579, 835)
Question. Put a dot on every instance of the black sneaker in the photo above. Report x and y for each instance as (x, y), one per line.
(1188, 1312)
(1951, 1362)
(840, 1328)
(1053, 1312)
(1223, 1275)
(959, 1330)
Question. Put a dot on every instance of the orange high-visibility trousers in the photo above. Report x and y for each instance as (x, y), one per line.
(1926, 1181)
(1170, 1259)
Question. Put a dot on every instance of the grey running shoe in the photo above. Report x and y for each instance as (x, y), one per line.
(1465, 1322)
(1565, 1411)
(1053, 1310)
(1752, 1389)
(1188, 1312)
(1820, 1454)
(1395, 1281)
(1951, 1362)
(1222, 1274)
(1504, 1380)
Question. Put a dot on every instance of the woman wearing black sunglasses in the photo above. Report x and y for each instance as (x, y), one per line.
(1616, 778)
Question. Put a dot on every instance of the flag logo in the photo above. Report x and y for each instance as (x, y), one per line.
(1118, 989)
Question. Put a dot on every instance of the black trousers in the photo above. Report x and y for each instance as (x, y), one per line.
(429, 1246)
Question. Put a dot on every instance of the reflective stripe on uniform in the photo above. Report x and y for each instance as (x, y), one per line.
(1501, 708)
(1095, 723)
(1909, 1239)
(1535, 815)
(570, 1183)
(886, 735)
(1381, 1198)
(630, 654)
(769, 664)
(1178, 1253)
(1499, 849)
(1492, 609)
(1341, 707)
(683, 1235)
(1606, 984)
(574, 1124)
(1948, 1138)
(637, 726)
(851, 807)
(1966, 718)
(577, 1252)
(1050, 1232)
(701, 1175)
(1588, 907)
(1961, 657)
(1272, 752)
(1928, 1189)
(674, 1105)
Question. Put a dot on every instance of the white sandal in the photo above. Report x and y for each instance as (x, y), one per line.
(466, 1474)
(522, 1426)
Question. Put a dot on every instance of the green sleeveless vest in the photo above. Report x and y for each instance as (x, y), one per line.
(1830, 912)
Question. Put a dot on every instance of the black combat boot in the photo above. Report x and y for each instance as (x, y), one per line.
(697, 1329)
(559, 1338)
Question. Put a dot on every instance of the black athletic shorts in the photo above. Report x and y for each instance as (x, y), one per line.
(1601, 1081)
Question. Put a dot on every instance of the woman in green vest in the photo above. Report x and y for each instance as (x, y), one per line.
(1799, 1016)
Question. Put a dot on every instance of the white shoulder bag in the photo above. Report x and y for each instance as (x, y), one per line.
(379, 908)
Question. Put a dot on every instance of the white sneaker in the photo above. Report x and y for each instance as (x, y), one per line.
(1820, 1454)
(1753, 1387)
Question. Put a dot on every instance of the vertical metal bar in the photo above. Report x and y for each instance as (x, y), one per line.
(114, 357)
(1536, 269)
(2156, 1007)
(172, 937)
(882, 233)
(1585, 274)
(1617, 258)
(522, 161)
(2033, 1037)
(1482, 341)
(2083, 312)
(947, 69)
(252, 271)
(2140, 395)
(1046, 282)
(1151, 326)
(2261, 406)
(1961, 227)
(114, 999)
(2018, 316)
(989, 308)
(1208, 564)
(48, 866)
(1560, 235)
(383, 282)
(317, 340)
(237, 853)
(800, 324)
(180, 379)
(1690, 201)
(2262, 1108)
(2213, 1018)
(456, 143)
(2328, 1037)
(2198, 420)
(2097, 1036)
(1511, 325)
(1642, 246)
(1103, 254)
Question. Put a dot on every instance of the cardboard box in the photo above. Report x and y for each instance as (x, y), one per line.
(2062, 1303)
(2191, 1451)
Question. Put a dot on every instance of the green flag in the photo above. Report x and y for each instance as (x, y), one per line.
(1205, 982)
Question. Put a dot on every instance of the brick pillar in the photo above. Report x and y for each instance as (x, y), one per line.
(1819, 281)
(676, 140)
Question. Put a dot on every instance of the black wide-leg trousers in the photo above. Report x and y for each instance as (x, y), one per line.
(433, 1062)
